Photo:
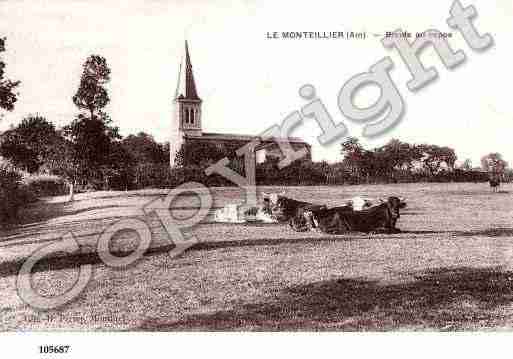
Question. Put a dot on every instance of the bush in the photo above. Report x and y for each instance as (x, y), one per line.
(46, 185)
(13, 193)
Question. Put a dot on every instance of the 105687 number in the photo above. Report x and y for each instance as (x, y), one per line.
(53, 349)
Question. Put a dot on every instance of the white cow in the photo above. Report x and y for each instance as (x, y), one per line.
(358, 203)
(229, 214)
(272, 197)
(236, 213)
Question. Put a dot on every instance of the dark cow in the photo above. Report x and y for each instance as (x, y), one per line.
(285, 209)
(495, 184)
(344, 219)
(325, 219)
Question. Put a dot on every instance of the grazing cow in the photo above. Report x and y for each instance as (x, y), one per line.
(344, 219)
(495, 184)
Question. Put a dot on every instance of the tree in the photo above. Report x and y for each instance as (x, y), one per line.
(28, 145)
(119, 168)
(353, 153)
(7, 96)
(467, 165)
(401, 155)
(143, 148)
(91, 95)
(351, 149)
(61, 162)
(494, 164)
(115, 168)
(383, 162)
(91, 141)
(204, 153)
(377, 163)
(435, 156)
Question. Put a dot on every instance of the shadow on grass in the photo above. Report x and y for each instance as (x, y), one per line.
(420, 232)
(59, 261)
(442, 299)
(38, 215)
(412, 213)
(270, 242)
(41, 212)
(65, 260)
(489, 232)
(483, 192)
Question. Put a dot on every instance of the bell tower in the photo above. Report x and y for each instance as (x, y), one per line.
(187, 108)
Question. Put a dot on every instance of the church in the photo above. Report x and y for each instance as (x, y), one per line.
(187, 123)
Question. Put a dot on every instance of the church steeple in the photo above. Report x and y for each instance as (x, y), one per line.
(186, 87)
(187, 108)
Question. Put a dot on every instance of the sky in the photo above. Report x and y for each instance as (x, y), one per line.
(248, 82)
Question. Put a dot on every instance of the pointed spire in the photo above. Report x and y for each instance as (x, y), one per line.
(186, 86)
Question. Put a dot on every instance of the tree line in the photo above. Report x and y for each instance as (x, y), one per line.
(90, 153)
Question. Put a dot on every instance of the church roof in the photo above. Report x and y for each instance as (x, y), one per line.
(186, 87)
(245, 138)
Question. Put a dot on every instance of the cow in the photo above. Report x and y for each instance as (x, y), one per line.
(344, 219)
(359, 203)
(324, 219)
(283, 209)
(495, 184)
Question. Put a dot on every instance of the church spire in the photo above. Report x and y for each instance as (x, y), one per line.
(186, 88)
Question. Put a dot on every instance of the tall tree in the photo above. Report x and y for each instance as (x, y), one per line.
(91, 94)
(91, 140)
(7, 95)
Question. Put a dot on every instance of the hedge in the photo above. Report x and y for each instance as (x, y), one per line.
(46, 185)
(13, 193)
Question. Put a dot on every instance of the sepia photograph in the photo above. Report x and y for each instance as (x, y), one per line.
(255, 166)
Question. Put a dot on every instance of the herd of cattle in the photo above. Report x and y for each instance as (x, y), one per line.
(357, 215)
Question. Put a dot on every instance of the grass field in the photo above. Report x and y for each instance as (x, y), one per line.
(450, 269)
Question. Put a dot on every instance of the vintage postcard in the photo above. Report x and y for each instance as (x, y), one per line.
(255, 166)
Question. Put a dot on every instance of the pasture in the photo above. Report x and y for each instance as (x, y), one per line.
(450, 269)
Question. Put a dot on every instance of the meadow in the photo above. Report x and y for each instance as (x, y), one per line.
(451, 267)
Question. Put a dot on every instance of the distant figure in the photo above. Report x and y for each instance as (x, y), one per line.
(495, 183)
